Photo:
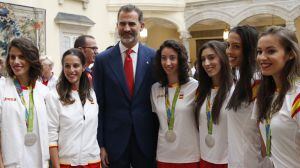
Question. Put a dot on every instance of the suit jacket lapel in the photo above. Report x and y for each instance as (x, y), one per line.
(116, 66)
(143, 61)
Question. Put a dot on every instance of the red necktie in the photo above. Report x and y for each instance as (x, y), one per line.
(128, 68)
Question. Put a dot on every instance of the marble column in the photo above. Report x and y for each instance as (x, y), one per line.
(184, 37)
(290, 24)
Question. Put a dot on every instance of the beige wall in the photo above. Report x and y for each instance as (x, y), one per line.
(96, 11)
(158, 34)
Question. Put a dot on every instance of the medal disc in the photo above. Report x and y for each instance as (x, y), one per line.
(209, 140)
(170, 136)
(30, 139)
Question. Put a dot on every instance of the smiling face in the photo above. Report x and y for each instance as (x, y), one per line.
(73, 69)
(169, 61)
(129, 28)
(271, 56)
(234, 49)
(19, 65)
(211, 63)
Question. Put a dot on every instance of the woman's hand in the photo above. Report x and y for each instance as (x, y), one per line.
(1, 159)
(104, 157)
(54, 157)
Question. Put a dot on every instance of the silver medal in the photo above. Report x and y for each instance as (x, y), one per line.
(170, 136)
(209, 140)
(30, 139)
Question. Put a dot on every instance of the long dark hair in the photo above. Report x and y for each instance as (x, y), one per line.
(64, 87)
(183, 67)
(30, 54)
(289, 73)
(243, 89)
(205, 82)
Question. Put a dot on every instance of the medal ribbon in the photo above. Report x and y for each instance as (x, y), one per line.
(28, 112)
(268, 136)
(268, 129)
(209, 115)
(171, 112)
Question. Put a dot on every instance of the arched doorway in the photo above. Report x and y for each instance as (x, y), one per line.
(203, 31)
(262, 21)
(159, 30)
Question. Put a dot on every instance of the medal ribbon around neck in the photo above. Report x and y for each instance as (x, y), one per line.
(268, 129)
(209, 115)
(171, 112)
(28, 112)
(268, 136)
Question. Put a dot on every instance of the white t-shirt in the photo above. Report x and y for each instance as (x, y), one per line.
(218, 154)
(32, 154)
(185, 149)
(285, 131)
(243, 138)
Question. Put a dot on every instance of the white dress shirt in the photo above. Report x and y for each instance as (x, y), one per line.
(133, 55)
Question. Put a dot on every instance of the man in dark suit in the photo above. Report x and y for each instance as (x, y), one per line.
(127, 131)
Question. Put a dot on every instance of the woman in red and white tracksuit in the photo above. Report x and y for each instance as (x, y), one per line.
(73, 116)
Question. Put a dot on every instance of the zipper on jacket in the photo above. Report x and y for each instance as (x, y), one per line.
(81, 137)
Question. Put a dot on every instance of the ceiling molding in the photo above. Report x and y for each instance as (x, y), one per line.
(165, 7)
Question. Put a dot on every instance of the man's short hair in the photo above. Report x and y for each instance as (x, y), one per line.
(130, 8)
(81, 40)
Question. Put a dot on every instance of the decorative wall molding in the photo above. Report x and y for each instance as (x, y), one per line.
(184, 35)
(208, 14)
(72, 19)
(84, 3)
(262, 9)
(234, 13)
(164, 7)
(196, 3)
